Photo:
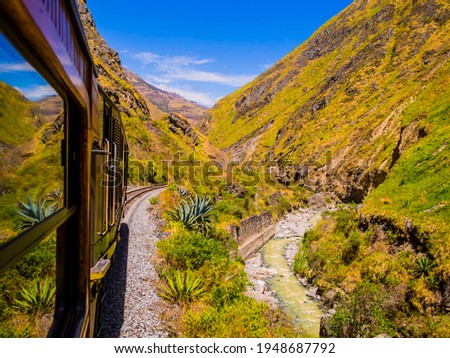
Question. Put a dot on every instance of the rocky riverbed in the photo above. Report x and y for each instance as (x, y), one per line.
(271, 275)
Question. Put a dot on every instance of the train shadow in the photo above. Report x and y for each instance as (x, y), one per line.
(116, 282)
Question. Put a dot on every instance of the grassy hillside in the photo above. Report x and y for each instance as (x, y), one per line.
(359, 109)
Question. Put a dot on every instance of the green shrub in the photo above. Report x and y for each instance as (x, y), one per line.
(423, 267)
(346, 221)
(243, 318)
(187, 250)
(283, 206)
(40, 262)
(226, 281)
(153, 200)
(366, 312)
(301, 265)
(351, 246)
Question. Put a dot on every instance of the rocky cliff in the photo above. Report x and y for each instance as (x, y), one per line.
(111, 74)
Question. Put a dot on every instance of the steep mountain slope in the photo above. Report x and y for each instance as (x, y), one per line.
(152, 133)
(167, 102)
(339, 111)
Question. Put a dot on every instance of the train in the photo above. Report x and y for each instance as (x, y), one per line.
(45, 39)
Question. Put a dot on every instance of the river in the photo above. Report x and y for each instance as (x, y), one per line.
(273, 278)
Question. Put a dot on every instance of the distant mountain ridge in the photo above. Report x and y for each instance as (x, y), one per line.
(166, 102)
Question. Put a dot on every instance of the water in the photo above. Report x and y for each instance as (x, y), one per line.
(303, 310)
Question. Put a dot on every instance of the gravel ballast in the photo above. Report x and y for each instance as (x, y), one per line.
(132, 307)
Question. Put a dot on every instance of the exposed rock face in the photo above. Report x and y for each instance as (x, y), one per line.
(53, 128)
(111, 74)
(334, 114)
(179, 123)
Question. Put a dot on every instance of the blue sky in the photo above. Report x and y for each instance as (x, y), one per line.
(205, 50)
(16, 72)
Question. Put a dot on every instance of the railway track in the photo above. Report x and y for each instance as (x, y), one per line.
(135, 193)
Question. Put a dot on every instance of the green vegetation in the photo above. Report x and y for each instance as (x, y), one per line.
(366, 312)
(18, 123)
(186, 250)
(32, 213)
(378, 284)
(181, 287)
(195, 214)
(206, 283)
(38, 298)
(243, 317)
(27, 293)
(32, 147)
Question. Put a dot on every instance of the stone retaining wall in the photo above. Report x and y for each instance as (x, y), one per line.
(252, 233)
(251, 226)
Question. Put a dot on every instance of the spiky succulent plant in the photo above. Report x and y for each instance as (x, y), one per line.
(195, 214)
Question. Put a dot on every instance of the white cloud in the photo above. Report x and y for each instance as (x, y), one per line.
(213, 77)
(147, 57)
(16, 67)
(168, 63)
(154, 80)
(170, 69)
(37, 92)
(199, 97)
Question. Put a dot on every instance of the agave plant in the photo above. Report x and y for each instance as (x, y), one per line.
(31, 213)
(184, 192)
(55, 195)
(181, 287)
(432, 282)
(195, 214)
(38, 298)
(424, 266)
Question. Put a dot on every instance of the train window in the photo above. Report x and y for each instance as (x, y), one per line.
(32, 200)
(27, 298)
(32, 123)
